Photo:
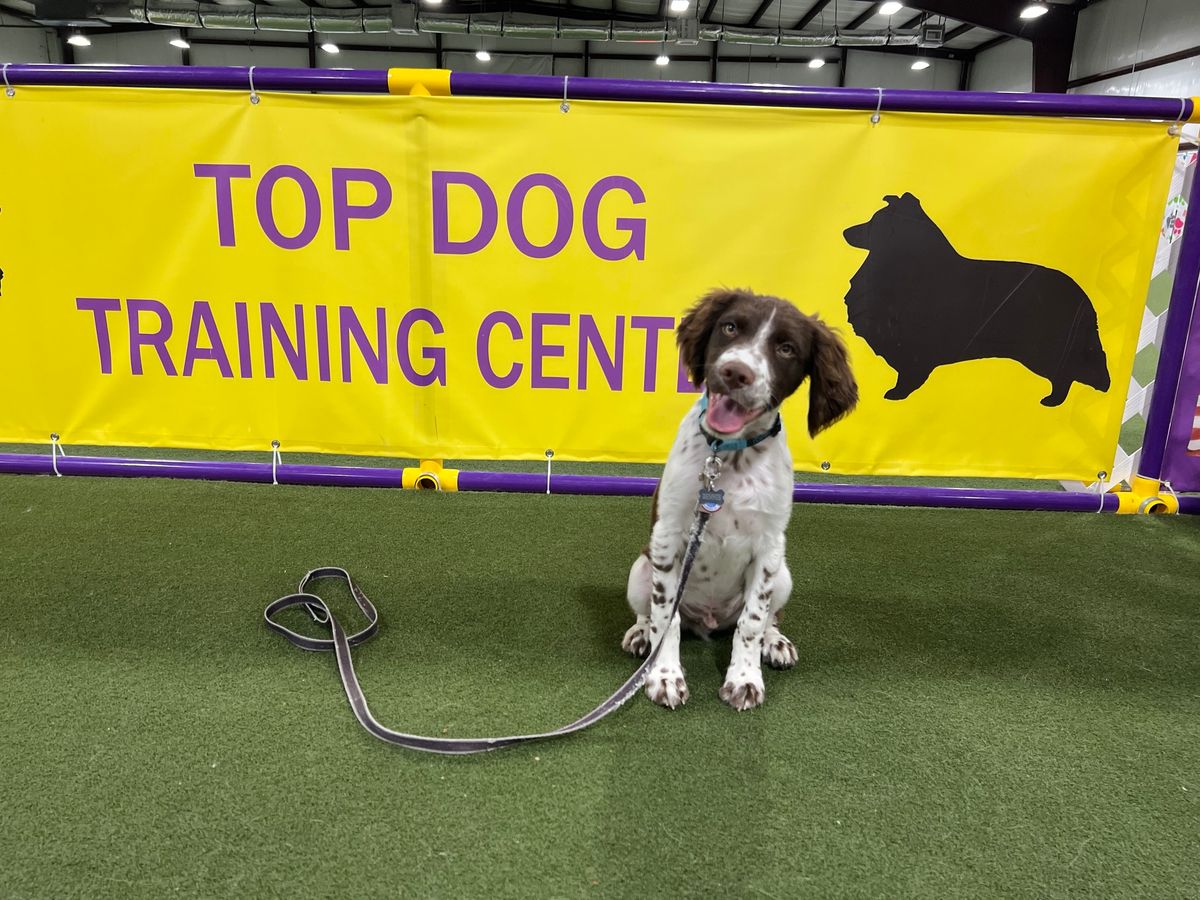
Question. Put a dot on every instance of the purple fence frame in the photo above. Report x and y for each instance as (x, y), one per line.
(1167, 109)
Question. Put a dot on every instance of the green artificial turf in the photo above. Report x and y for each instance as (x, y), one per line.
(987, 705)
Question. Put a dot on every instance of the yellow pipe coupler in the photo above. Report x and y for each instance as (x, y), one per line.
(419, 82)
(430, 476)
(1144, 497)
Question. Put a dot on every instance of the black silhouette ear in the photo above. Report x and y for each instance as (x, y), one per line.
(833, 392)
(890, 199)
(911, 199)
(697, 326)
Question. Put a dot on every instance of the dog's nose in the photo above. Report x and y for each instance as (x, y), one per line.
(737, 374)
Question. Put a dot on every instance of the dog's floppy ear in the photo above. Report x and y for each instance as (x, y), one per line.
(833, 392)
(697, 326)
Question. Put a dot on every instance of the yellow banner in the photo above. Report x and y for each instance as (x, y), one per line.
(479, 278)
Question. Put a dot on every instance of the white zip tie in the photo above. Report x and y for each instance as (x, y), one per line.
(254, 98)
(276, 461)
(9, 90)
(565, 106)
(878, 106)
(1175, 130)
(55, 450)
(549, 457)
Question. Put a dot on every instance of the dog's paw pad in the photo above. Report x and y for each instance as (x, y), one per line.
(780, 653)
(637, 640)
(669, 690)
(742, 696)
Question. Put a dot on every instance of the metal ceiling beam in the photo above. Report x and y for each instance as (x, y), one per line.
(759, 13)
(815, 10)
(869, 13)
(708, 11)
(988, 45)
(957, 32)
(914, 21)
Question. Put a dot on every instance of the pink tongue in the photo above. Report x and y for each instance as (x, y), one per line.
(725, 416)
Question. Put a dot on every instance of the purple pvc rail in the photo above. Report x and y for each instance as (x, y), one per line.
(334, 81)
(553, 87)
(528, 483)
(887, 100)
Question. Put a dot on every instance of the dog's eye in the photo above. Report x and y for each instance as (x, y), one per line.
(729, 328)
(786, 349)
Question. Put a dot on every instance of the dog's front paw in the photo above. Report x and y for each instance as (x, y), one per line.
(637, 640)
(743, 693)
(666, 687)
(780, 653)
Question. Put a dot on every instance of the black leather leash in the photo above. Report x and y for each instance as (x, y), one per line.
(340, 642)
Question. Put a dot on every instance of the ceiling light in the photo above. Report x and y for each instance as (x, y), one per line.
(181, 43)
(920, 64)
(330, 47)
(662, 60)
(680, 6)
(433, 2)
(890, 8)
(816, 63)
(483, 56)
(79, 40)
(1033, 10)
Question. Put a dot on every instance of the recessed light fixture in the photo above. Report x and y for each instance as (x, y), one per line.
(816, 63)
(890, 8)
(181, 43)
(920, 64)
(680, 6)
(1033, 10)
(483, 56)
(79, 40)
(662, 59)
(331, 47)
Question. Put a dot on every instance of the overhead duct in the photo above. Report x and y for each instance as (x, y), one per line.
(737, 35)
(862, 38)
(801, 39)
(406, 18)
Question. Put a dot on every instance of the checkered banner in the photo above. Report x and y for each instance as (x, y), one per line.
(1181, 462)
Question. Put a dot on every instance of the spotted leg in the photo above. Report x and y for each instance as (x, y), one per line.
(743, 688)
(665, 684)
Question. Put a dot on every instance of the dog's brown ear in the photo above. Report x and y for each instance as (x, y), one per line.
(833, 392)
(697, 326)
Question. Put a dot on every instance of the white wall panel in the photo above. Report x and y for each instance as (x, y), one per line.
(24, 44)
(140, 48)
(350, 58)
(1005, 67)
(647, 70)
(504, 63)
(893, 70)
(1112, 34)
(243, 55)
(778, 73)
(1177, 79)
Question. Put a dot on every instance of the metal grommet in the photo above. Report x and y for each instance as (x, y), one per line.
(1101, 475)
(825, 465)
(254, 98)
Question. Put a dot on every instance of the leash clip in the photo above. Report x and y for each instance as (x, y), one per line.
(711, 499)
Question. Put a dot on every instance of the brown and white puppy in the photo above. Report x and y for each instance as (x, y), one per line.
(751, 352)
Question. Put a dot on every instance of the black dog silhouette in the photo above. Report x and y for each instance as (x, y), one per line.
(919, 304)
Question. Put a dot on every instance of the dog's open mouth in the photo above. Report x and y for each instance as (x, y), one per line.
(726, 415)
